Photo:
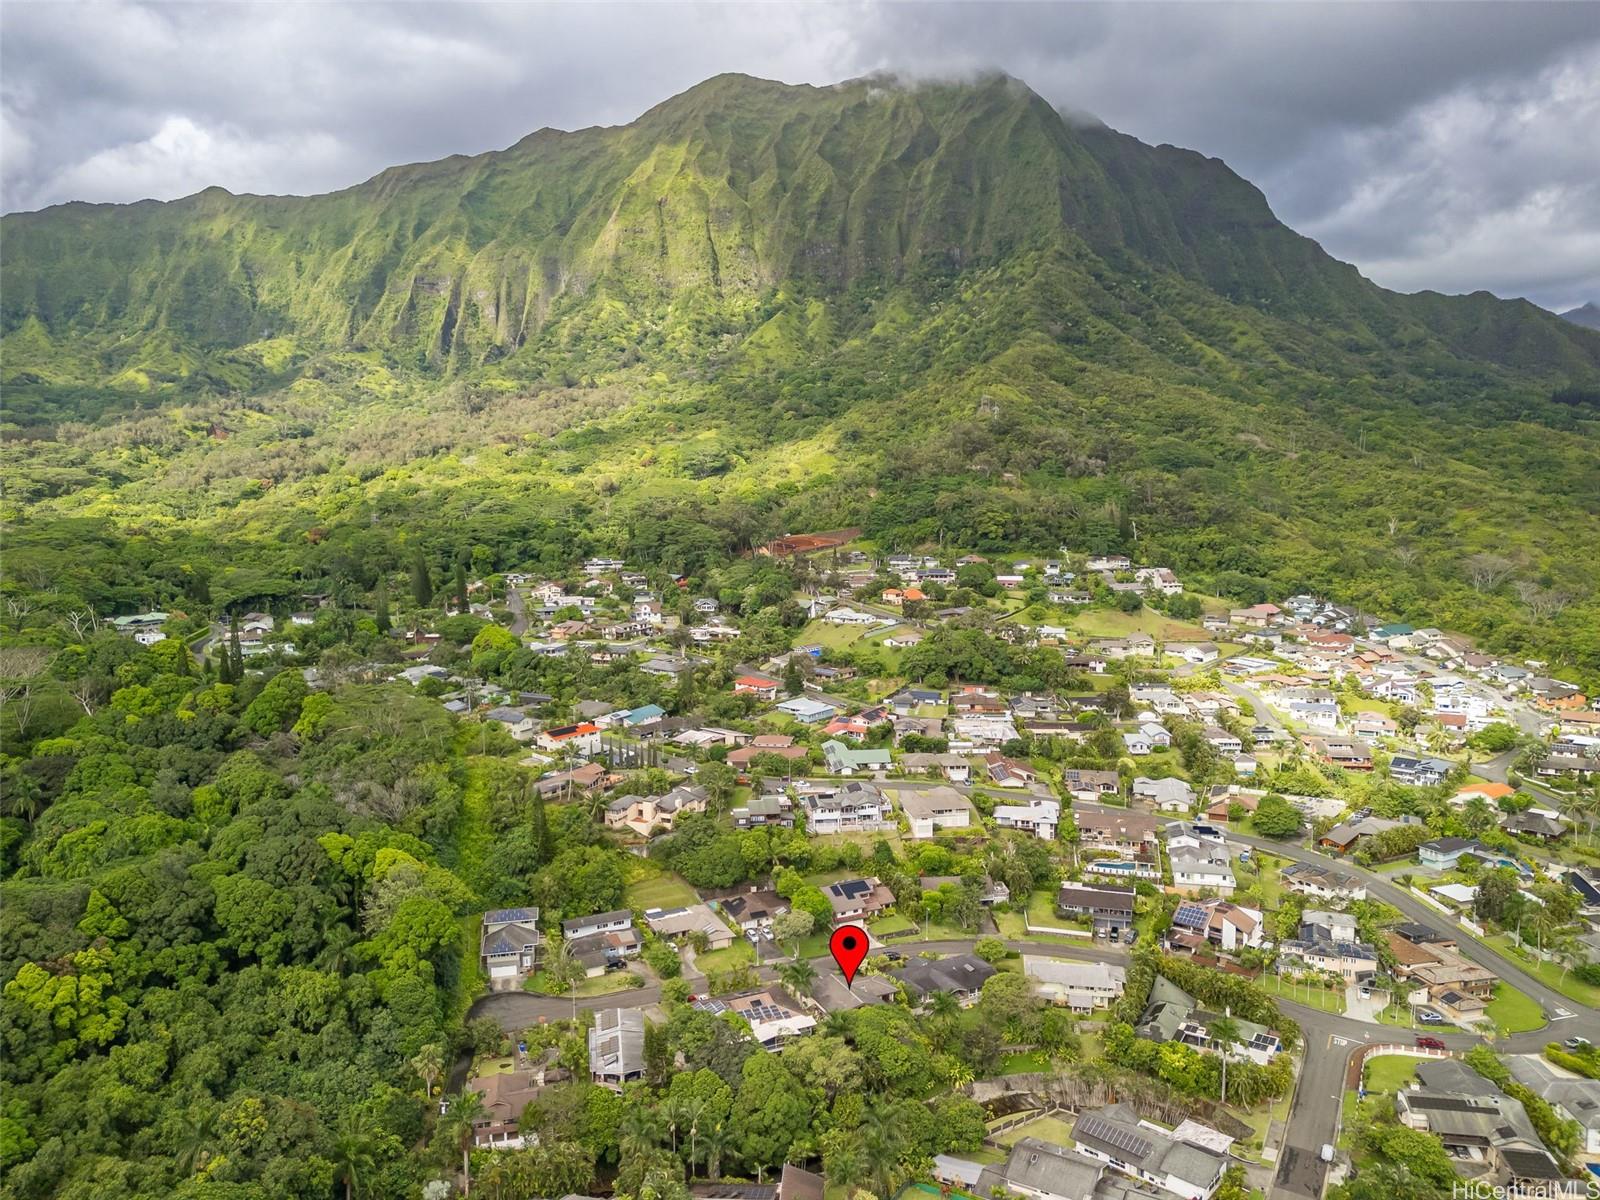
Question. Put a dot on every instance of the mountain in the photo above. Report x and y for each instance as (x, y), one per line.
(1588, 316)
(944, 312)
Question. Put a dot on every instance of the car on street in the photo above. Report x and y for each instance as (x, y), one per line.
(1429, 1043)
(1577, 1043)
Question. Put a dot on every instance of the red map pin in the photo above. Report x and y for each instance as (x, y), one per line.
(848, 945)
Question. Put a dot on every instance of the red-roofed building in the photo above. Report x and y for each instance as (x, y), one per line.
(756, 685)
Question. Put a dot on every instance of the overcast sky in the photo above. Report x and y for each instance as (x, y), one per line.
(1445, 146)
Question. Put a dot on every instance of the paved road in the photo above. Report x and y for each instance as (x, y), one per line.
(519, 611)
(1329, 1038)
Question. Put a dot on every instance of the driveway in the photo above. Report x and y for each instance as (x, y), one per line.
(1358, 1009)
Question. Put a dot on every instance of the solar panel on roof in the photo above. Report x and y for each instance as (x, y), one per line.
(1114, 1135)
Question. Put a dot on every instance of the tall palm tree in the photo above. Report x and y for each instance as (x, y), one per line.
(847, 1166)
(463, 1112)
(196, 1137)
(715, 1141)
(429, 1065)
(880, 1143)
(639, 1129)
(1225, 1032)
(797, 975)
(353, 1155)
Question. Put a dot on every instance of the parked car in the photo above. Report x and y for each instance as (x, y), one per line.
(1428, 1017)
(1429, 1043)
(1577, 1043)
(1132, 937)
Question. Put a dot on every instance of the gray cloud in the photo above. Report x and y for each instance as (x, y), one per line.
(1445, 146)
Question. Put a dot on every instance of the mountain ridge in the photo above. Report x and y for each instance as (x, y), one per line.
(939, 311)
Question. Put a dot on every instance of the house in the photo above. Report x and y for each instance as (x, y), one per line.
(505, 1095)
(1373, 725)
(779, 744)
(1343, 837)
(1221, 923)
(854, 806)
(1009, 772)
(1439, 967)
(1327, 942)
(1035, 1169)
(582, 738)
(1198, 653)
(1488, 1135)
(1222, 741)
(617, 921)
(848, 760)
(579, 780)
(993, 891)
(687, 922)
(857, 899)
(807, 711)
(767, 809)
(1323, 883)
(1195, 868)
(1090, 785)
(1080, 986)
(1418, 771)
(753, 909)
(1172, 1015)
(1120, 831)
(508, 945)
(985, 731)
(1257, 616)
(1542, 824)
(1442, 854)
(1039, 817)
(1168, 795)
(759, 686)
(1574, 1097)
(960, 975)
(1109, 909)
(616, 1047)
(934, 808)
(956, 768)
(851, 616)
(1116, 1136)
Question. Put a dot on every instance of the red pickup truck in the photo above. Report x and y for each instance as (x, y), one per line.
(1430, 1043)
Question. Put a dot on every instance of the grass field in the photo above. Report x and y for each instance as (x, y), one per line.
(601, 985)
(1051, 1129)
(1388, 1072)
(1021, 1064)
(739, 954)
(1514, 1012)
(1311, 997)
(1114, 623)
(1547, 973)
(656, 888)
(834, 637)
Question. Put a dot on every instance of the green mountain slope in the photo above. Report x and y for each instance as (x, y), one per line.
(940, 311)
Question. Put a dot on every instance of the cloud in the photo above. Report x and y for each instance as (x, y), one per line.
(182, 157)
(1433, 145)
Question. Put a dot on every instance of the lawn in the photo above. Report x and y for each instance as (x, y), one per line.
(1042, 909)
(834, 637)
(1114, 623)
(600, 985)
(652, 887)
(1311, 997)
(1547, 973)
(882, 927)
(1034, 1061)
(1388, 1072)
(1051, 1129)
(1514, 1012)
(1012, 929)
(741, 953)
